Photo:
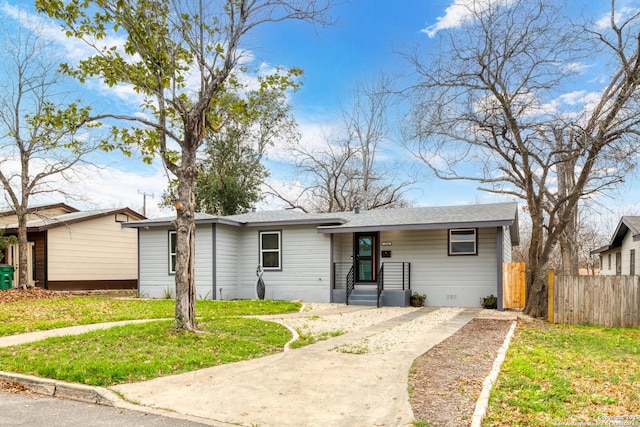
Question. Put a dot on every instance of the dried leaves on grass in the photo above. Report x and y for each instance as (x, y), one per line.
(446, 381)
(13, 295)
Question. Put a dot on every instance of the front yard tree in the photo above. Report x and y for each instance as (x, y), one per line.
(500, 96)
(43, 140)
(230, 169)
(182, 56)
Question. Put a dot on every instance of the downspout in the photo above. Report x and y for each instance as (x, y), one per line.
(214, 229)
(139, 270)
(332, 269)
(500, 261)
(46, 259)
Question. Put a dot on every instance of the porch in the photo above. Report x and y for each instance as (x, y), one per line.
(390, 286)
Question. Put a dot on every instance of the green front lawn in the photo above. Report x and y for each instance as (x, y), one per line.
(144, 351)
(568, 375)
(140, 351)
(36, 315)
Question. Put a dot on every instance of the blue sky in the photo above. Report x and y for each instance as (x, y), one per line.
(363, 42)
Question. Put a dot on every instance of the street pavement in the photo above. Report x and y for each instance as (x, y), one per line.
(35, 410)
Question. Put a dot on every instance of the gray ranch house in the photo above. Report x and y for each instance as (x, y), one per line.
(452, 254)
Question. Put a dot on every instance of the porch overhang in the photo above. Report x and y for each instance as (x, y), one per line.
(331, 229)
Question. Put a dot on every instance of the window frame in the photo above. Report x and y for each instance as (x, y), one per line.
(172, 259)
(451, 241)
(262, 251)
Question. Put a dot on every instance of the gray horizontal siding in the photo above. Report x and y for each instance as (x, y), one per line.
(155, 280)
(305, 273)
(447, 280)
(227, 261)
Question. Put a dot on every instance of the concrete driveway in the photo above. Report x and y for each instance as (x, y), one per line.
(313, 385)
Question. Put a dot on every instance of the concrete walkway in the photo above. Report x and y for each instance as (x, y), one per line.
(310, 386)
(71, 330)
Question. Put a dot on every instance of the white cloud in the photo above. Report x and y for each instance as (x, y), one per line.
(621, 15)
(461, 12)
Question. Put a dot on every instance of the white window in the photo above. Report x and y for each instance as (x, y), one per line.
(172, 252)
(271, 250)
(463, 241)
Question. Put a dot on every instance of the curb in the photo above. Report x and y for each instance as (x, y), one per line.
(482, 403)
(53, 388)
(95, 395)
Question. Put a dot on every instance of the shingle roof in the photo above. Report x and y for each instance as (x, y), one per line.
(478, 215)
(6, 211)
(430, 217)
(45, 223)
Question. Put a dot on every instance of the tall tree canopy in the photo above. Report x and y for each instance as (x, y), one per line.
(182, 56)
(43, 136)
(350, 168)
(501, 104)
(230, 169)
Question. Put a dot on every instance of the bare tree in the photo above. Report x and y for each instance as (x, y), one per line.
(347, 171)
(43, 141)
(182, 55)
(490, 100)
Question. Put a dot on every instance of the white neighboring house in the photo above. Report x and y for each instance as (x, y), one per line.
(76, 250)
(452, 254)
(620, 257)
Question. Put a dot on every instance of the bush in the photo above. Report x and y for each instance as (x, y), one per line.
(490, 302)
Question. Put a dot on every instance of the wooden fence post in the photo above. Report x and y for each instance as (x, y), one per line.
(550, 288)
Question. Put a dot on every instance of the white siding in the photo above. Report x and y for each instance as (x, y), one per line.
(155, 279)
(446, 280)
(96, 249)
(226, 261)
(625, 251)
(306, 268)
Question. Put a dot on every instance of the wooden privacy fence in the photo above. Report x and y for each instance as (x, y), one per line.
(514, 289)
(610, 301)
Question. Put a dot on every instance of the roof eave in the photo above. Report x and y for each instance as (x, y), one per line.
(434, 226)
(600, 250)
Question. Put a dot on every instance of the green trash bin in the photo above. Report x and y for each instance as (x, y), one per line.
(6, 277)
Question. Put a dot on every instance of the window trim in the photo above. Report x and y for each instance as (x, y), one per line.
(172, 255)
(450, 242)
(261, 251)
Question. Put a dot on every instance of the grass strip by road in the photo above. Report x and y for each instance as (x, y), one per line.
(44, 314)
(568, 375)
(144, 351)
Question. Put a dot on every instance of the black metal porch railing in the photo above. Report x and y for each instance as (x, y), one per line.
(397, 275)
(351, 284)
(380, 283)
(391, 276)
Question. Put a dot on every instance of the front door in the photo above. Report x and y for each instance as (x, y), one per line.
(366, 248)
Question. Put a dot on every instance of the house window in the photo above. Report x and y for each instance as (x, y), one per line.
(271, 250)
(463, 241)
(172, 252)
(609, 262)
(632, 262)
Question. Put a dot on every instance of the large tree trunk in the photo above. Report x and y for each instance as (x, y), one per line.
(23, 251)
(185, 244)
(537, 294)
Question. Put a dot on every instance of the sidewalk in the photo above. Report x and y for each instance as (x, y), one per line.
(310, 386)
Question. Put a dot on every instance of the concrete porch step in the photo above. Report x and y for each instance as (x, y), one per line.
(364, 297)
